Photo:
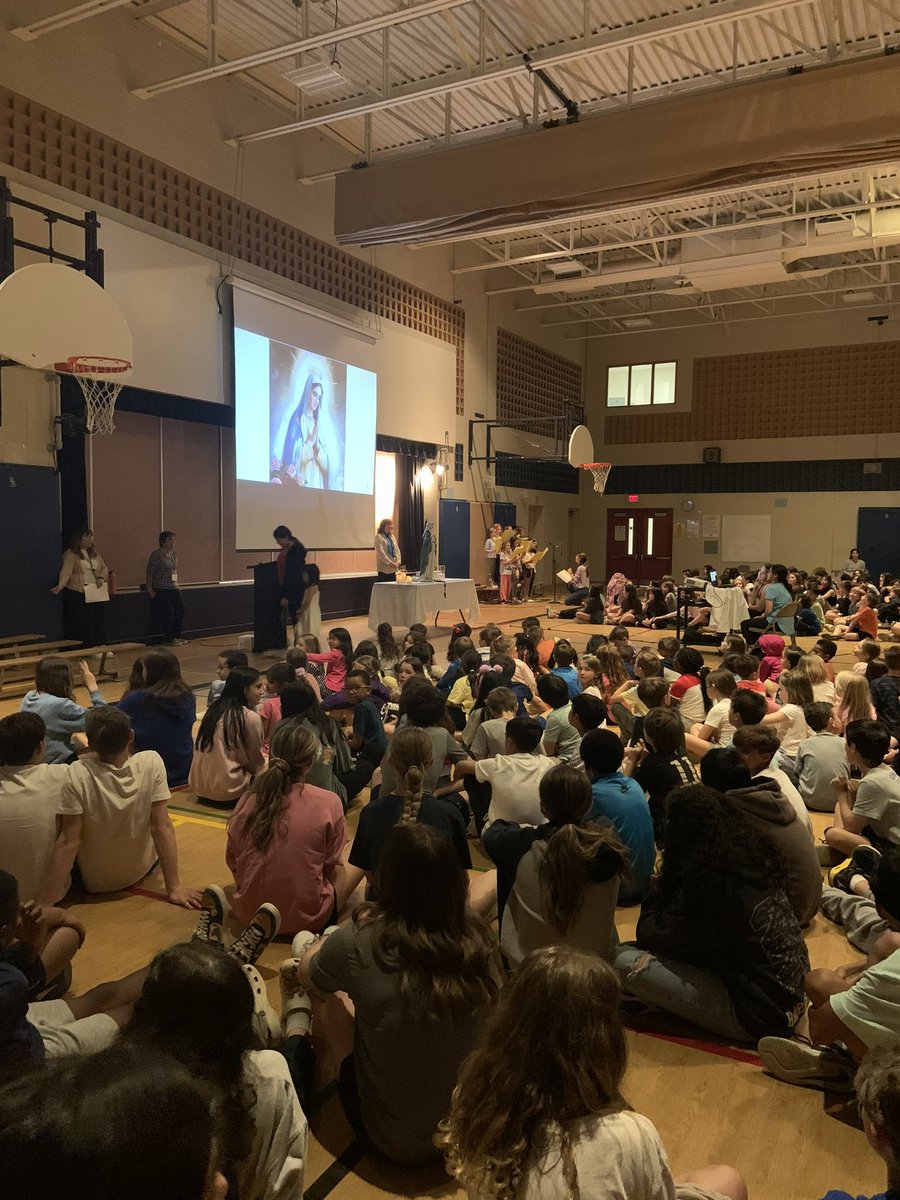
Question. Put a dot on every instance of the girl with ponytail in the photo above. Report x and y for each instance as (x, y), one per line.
(286, 839)
(557, 884)
(407, 803)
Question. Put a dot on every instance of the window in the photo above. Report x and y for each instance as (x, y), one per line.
(640, 385)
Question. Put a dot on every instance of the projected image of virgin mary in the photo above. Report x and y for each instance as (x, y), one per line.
(304, 455)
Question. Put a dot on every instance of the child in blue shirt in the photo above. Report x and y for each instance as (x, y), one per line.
(564, 659)
(622, 802)
(52, 700)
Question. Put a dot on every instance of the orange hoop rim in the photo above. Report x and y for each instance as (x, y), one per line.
(95, 364)
(590, 466)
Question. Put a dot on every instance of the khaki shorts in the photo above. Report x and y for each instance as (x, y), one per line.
(62, 1034)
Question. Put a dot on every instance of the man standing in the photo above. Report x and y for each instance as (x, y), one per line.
(162, 588)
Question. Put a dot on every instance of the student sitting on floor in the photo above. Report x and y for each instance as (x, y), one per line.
(587, 713)
(464, 692)
(32, 1032)
(734, 968)
(715, 726)
(853, 699)
(117, 1123)
(864, 653)
(758, 745)
(820, 757)
(687, 691)
(813, 667)
(423, 707)
(30, 791)
(455, 670)
(367, 738)
(564, 660)
(489, 739)
(421, 972)
(410, 756)
(736, 771)
(228, 746)
(336, 661)
(557, 883)
(624, 702)
(859, 625)
(856, 1005)
(515, 776)
(659, 763)
(162, 712)
(225, 662)
(277, 677)
(772, 647)
(286, 840)
(867, 810)
(201, 1007)
(42, 945)
(613, 675)
(114, 817)
(622, 802)
(553, 1122)
(886, 692)
(561, 739)
(52, 700)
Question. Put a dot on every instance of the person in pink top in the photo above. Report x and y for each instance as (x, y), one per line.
(228, 747)
(286, 840)
(337, 660)
(277, 677)
(772, 646)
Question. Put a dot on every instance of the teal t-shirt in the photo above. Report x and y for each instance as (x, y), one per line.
(780, 596)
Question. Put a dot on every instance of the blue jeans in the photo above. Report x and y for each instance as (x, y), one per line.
(695, 993)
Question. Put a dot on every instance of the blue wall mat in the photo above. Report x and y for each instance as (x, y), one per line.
(878, 540)
(505, 515)
(29, 534)
(454, 534)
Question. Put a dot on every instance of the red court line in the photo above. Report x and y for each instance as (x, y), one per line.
(139, 891)
(732, 1052)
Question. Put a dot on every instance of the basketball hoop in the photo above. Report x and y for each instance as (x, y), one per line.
(600, 471)
(100, 380)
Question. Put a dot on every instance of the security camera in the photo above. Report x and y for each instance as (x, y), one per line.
(880, 319)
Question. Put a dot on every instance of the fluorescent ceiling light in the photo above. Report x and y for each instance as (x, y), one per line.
(637, 322)
(316, 76)
(857, 297)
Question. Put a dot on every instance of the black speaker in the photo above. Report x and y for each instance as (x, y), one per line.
(712, 454)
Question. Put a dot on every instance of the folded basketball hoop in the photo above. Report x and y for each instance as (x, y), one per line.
(100, 380)
(600, 471)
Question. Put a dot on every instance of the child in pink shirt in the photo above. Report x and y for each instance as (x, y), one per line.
(277, 677)
(772, 647)
(286, 840)
(337, 660)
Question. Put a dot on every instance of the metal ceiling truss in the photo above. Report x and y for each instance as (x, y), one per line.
(481, 67)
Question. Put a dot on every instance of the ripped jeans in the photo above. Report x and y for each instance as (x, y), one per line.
(696, 994)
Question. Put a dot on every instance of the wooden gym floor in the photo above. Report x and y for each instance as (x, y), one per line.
(710, 1102)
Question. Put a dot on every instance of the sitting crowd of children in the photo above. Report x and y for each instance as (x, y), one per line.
(591, 781)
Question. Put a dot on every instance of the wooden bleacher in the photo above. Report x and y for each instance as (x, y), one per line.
(17, 674)
(28, 649)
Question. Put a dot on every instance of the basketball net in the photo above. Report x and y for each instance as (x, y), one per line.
(100, 380)
(600, 472)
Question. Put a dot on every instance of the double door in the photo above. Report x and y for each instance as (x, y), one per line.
(639, 543)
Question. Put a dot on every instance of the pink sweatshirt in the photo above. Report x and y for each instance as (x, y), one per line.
(296, 871)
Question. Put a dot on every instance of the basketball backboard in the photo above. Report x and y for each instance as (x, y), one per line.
(581, 446)
(51, 314)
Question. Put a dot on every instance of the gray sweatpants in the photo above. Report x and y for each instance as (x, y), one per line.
(858, 916)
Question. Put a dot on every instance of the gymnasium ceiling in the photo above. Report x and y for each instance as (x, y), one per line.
(406, 78)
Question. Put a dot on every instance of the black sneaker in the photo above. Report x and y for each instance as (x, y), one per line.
(264, 926)
(212, 916)
(798, 1061)
(865, 860)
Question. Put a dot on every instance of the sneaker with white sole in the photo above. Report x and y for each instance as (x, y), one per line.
(806, 1065)
(266, 1022)
(296, 1005)
(302, 942)
(212, 916)
(251, 943)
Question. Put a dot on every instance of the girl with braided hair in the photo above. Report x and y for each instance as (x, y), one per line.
(286, 839)
(408, 802)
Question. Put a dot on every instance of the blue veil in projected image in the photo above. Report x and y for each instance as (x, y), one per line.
(307, 418)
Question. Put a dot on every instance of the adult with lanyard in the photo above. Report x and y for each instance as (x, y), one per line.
(162, 588)
(289, 567)
(83, 571)
(387, 552)
(769, 597)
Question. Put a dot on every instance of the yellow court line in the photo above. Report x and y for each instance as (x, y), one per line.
(183, 818)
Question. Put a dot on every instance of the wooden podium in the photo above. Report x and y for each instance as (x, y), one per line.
(268, 622)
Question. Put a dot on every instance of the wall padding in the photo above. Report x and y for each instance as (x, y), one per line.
(533, 382)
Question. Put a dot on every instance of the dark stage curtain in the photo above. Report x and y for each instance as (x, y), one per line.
(410, 509)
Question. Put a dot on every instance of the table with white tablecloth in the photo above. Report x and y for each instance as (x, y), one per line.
(405, 604)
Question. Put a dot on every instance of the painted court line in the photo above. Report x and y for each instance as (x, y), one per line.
(744, 1056)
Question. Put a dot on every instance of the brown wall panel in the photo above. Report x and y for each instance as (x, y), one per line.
(235, 562)
(820, 391)
(126, 495)
(190, 467)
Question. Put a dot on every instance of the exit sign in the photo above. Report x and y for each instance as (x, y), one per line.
(633, 499)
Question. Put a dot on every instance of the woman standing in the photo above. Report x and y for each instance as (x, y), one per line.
(82, 566)
(162, 588)
(387, 552)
